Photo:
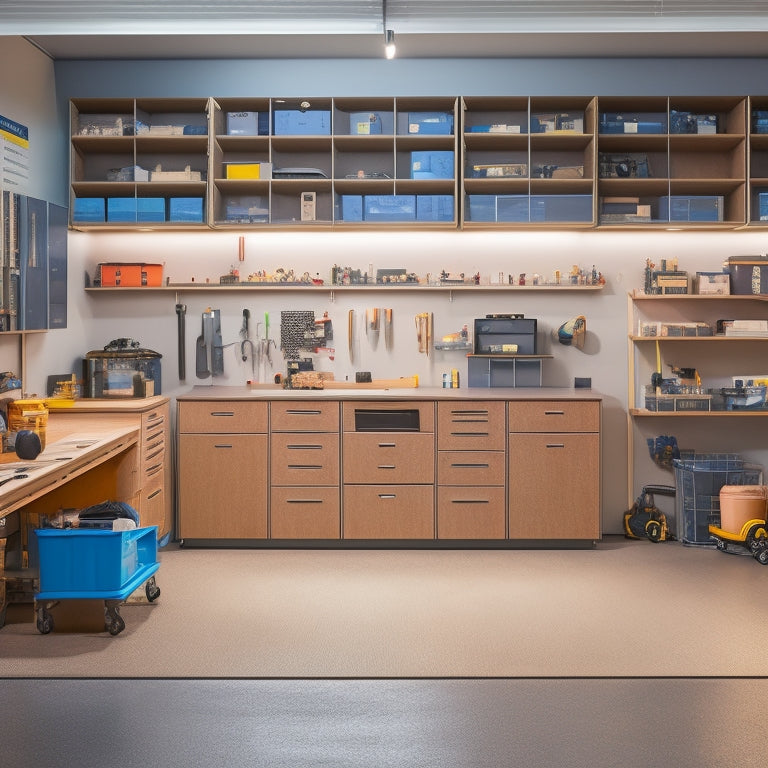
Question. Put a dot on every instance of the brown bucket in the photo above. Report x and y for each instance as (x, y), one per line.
(740, 504)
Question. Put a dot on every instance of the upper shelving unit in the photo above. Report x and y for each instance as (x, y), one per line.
(475, 162)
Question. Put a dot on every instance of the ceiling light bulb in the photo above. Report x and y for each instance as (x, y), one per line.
(389, 45)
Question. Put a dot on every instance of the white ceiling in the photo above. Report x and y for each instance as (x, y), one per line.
(137, 29)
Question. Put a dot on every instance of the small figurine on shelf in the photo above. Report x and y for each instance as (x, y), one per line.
(521, 279)
(476, 278)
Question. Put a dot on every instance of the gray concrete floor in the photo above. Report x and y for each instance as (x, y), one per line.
(457, 723)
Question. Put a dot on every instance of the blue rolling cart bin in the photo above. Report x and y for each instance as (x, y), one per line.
(86, 563)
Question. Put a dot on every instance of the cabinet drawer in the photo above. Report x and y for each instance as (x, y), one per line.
(230, 417)
(305, 513)
(471, 467)
(388, 512)
(305, 459)
(471, 425)
(388, 458)
(471, 513)
(384, 411)
(310, 416)
(554, 416)
(152, 506)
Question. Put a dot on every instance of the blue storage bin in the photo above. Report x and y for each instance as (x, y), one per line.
(89, 563)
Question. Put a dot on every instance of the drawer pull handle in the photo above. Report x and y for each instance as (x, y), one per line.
(222, 445)
(154, 416)
(154, 469)
(159, 452)
(387, 445)
(555, 445)
(305, 466)
(300, 447)
(470, 412)
(155, 493)
(470, 501)
(554, 413)
(387, 495)
(303, 412)
(469, 434)
(470, 421)
(304, 501)
(222, 413)
(471, 466)
(386, 466)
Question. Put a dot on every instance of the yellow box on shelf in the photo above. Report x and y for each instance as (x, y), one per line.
(247, 170)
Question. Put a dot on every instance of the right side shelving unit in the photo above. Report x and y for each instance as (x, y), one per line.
(716, 358)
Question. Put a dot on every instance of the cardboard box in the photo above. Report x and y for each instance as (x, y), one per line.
(125, 275)
(481, 207)
(691, 208)
(294, 122)
(577, 208)
(242, 123)
(392, 208)
(432, 164)
(749, 275)
(249, 209)
(500, 170)
(351, 208)
(89, 210)
(430, 123)
(185, 209)
(247, 170)
(513, 208)
(364, 123)
(434, 207)
(713, 283)
(121, 209)
(150, 209)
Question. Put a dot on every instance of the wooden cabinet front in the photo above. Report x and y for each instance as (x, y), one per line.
(304, 458)
(554, 486)
(305, 513)
(388, 458)
(471, 425)
(472, 513)
(388, 512)
(222, 486)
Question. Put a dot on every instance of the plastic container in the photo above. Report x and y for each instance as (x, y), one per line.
(699, 479)
(741, 503)
(28, 414)
(94, 563)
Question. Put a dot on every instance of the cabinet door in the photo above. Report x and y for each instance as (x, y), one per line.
(554, 486)
(223, 486)
(554, 416)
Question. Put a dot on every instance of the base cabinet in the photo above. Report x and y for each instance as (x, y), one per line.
(222, 470)
(554, 470)
(333, 472)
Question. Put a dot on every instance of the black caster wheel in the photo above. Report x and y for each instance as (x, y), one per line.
(44, 621)
(762, 556)
(115, 623)
(721, 545)
(152, 590)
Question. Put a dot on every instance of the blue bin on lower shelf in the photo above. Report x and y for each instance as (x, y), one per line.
(84, 563)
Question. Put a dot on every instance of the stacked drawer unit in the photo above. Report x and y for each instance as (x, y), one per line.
(304, 470)
(471, 470)
(155, 499)
(388, 465)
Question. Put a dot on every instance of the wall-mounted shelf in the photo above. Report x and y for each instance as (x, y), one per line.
(616, 162)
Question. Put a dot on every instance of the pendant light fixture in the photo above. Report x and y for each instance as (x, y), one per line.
(389, 34)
